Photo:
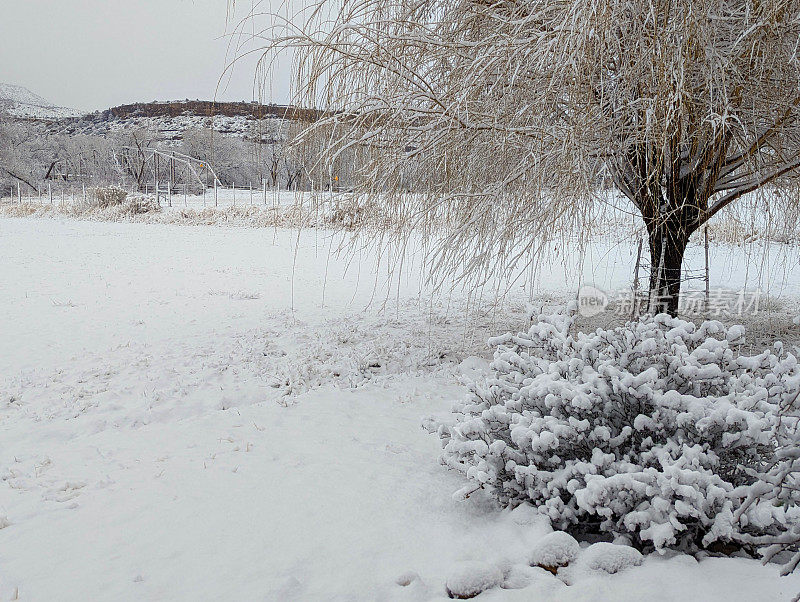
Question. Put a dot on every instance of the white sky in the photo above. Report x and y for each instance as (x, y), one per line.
(94, 54)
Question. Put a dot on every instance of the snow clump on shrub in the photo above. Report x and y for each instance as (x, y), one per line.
(555, 550)
(610, 558)
(471, 578)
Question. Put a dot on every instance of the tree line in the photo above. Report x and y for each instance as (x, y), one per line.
(31, 157)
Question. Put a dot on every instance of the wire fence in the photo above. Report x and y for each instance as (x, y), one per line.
(167, 194)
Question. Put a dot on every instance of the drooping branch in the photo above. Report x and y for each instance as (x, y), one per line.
(750, 186)
(536, 102)
(737, 160)
(20, 178)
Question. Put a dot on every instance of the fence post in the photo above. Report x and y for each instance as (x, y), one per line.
(635, 305)
(708, 287)
(216, 199)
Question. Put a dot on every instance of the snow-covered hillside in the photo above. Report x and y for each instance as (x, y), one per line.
(172, 128)
(18, 101)
(167, 121)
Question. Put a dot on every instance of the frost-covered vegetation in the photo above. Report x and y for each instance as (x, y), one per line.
(653, 432)
(35, 157)
(290, 210)
(108, 196)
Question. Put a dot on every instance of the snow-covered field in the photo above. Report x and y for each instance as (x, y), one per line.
(206, 413)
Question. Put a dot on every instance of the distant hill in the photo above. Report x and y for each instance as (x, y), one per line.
(207, 108)
(18, 101)
(169, 120)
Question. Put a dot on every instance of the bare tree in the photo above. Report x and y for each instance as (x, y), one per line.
(273, 163)
(135, 145)
(20, 155)
(506, 114)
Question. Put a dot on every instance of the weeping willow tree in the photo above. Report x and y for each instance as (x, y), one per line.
(504, 117)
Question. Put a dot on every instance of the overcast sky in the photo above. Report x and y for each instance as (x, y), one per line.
(94, 54)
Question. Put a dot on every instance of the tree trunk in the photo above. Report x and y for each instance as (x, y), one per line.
(671, 192)
(667, 247)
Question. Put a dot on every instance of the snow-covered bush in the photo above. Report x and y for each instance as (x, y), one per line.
(142, 203)
(643, 431)
(773, 499)
(471, 578)
(610, 558)
(349, 213)
(108, 196)
(554, 550)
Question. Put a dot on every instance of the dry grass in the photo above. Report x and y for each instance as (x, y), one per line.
(343, 213)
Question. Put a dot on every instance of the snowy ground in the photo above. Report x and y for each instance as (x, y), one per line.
(205, 413)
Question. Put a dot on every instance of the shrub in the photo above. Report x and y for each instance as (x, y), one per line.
(141, 203)
(108, 196)
(644, 431)
(350, 214)
(770, 507)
